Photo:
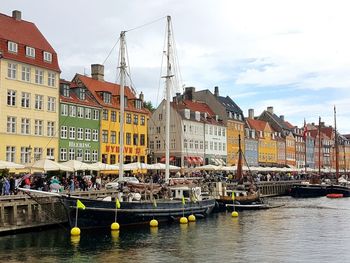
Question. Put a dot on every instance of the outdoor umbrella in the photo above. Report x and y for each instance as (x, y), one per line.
(208, 167)
(104, 166)
(10, 165)
(49, 165)
(80, 166)
(162, 166)
(135, 166)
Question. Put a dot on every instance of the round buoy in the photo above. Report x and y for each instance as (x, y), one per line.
(115, 226)
(183, 220)
(75, 231)
(234, 214)
(191, 218)
(153, 223)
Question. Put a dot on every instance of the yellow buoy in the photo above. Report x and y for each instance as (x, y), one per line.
(191, 218)
(234, 214)
(115, 226)
(183, 220)
(153, 223)
(75, 231)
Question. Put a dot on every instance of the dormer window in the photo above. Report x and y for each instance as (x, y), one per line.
(30, 52)
(47, 56)
(82, 93)
(12, 47)
(107, 97)
(138, 104)
(65, 90)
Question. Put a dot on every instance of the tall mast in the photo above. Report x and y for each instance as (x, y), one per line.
(167, 99)
(319, 146)
(336, 146)
(122, 69)
(239, 164)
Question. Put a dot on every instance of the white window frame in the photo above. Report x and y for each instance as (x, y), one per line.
(94, 156)
(39, 102)
(25, 73)
(71, 154)
(39, 76)
(11, 97)
(30, 52)
(38, 127)
(96, 115)
(11, 124)
(64, 110)
(25, 126)
(95, 135)
(47, 56)
(51, 79)
(38, 153)
(80, 112)
(88, 134)
(10, 153)
(25, 101)
(87, 113)
(72, 111)
(63, 154)
(12, 70)
(12, 47)
(72, 133)
(50, 153)
(51, 104)
(64, 132)
(80, 134)
(50, 128)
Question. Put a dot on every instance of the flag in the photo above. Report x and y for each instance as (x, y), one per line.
(117, 203)
(183, 200)
(154, 202)
(305, 130)
(80, 205)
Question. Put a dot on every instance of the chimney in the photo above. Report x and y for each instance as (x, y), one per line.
(141, 97)
(270, 109)
(17, 15)
(189, 93)
(97, 72)
(251, 114)
(282, 117)
(216, 91)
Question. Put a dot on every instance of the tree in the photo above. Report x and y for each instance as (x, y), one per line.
(148, 105)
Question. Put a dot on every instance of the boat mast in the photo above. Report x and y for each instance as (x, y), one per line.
(336, 146)
(122, 69)
(319, 146)
(239, 165)
(167, 99)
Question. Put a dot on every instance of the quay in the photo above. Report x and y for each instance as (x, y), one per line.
(21, 212)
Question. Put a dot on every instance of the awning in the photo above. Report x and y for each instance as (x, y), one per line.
(215, 161)
(189, 159)
(171, 158)
(200, 159)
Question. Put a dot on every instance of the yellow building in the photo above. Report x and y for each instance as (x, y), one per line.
(234, 128)
(29, 92)
(136, 118)
(267, 147)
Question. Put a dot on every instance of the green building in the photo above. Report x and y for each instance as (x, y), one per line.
(79, 122)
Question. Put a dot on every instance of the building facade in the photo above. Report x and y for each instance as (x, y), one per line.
(29, 92)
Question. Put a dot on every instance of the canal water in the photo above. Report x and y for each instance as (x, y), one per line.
(304, 230)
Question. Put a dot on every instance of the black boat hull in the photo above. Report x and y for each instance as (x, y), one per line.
(317, 190)
(101, 214)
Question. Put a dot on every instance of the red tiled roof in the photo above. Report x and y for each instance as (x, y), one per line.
(257, 125)
(198, 106)
(25, 33)
(328, 131)
(290, 126)
(97, 86)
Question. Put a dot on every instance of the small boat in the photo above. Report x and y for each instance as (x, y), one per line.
(253, 206)
(335, 195)
(304, 190)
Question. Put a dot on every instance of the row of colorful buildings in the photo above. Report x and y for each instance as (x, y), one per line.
(43, 116)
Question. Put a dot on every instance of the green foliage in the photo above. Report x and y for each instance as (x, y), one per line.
(4, 173)
(148, 105)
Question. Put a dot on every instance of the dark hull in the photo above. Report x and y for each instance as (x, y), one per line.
(102, 213)
(317, 190)
(308, 190)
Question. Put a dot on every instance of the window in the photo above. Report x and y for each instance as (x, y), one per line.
(82, 93)
(38, 153)
(95, 135)
(80, 112)
(30, 52)
(12, 46)
(136, 139)
(105, 115)
(107, 97)
(128, 118)
(11, 98)
(160, 116)
(63, 132)
(138, 104)
(25, 155)
(63, 154)
(105, 136)
(185, 143)
(50, 128)
(79, 154)
(12, 70)
(11, 124)
(142, 120)
(25, 126)
(151, 144)
(50, 153)
(191, 144)
(87, 155)
(51, 104)
(96, 115)
(10, 153)
(64, 109)
(80, 134)
(25, 101)
(94, 155)
(71, 154)
(65, 90)
(26, 73)
(38, 127)
(158, 144)
(112, 159)
(113, 137)
(39, 102)
(87, 134)
(72, 133)
(136, 119)
(47, 56)
(128, 138)
(88, 114)
(51, 79)
(196, 144)
(113, 116)
(72, 111)
(39, 76)
(142, 140)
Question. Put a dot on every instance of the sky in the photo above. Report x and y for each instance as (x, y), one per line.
(291, 55)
